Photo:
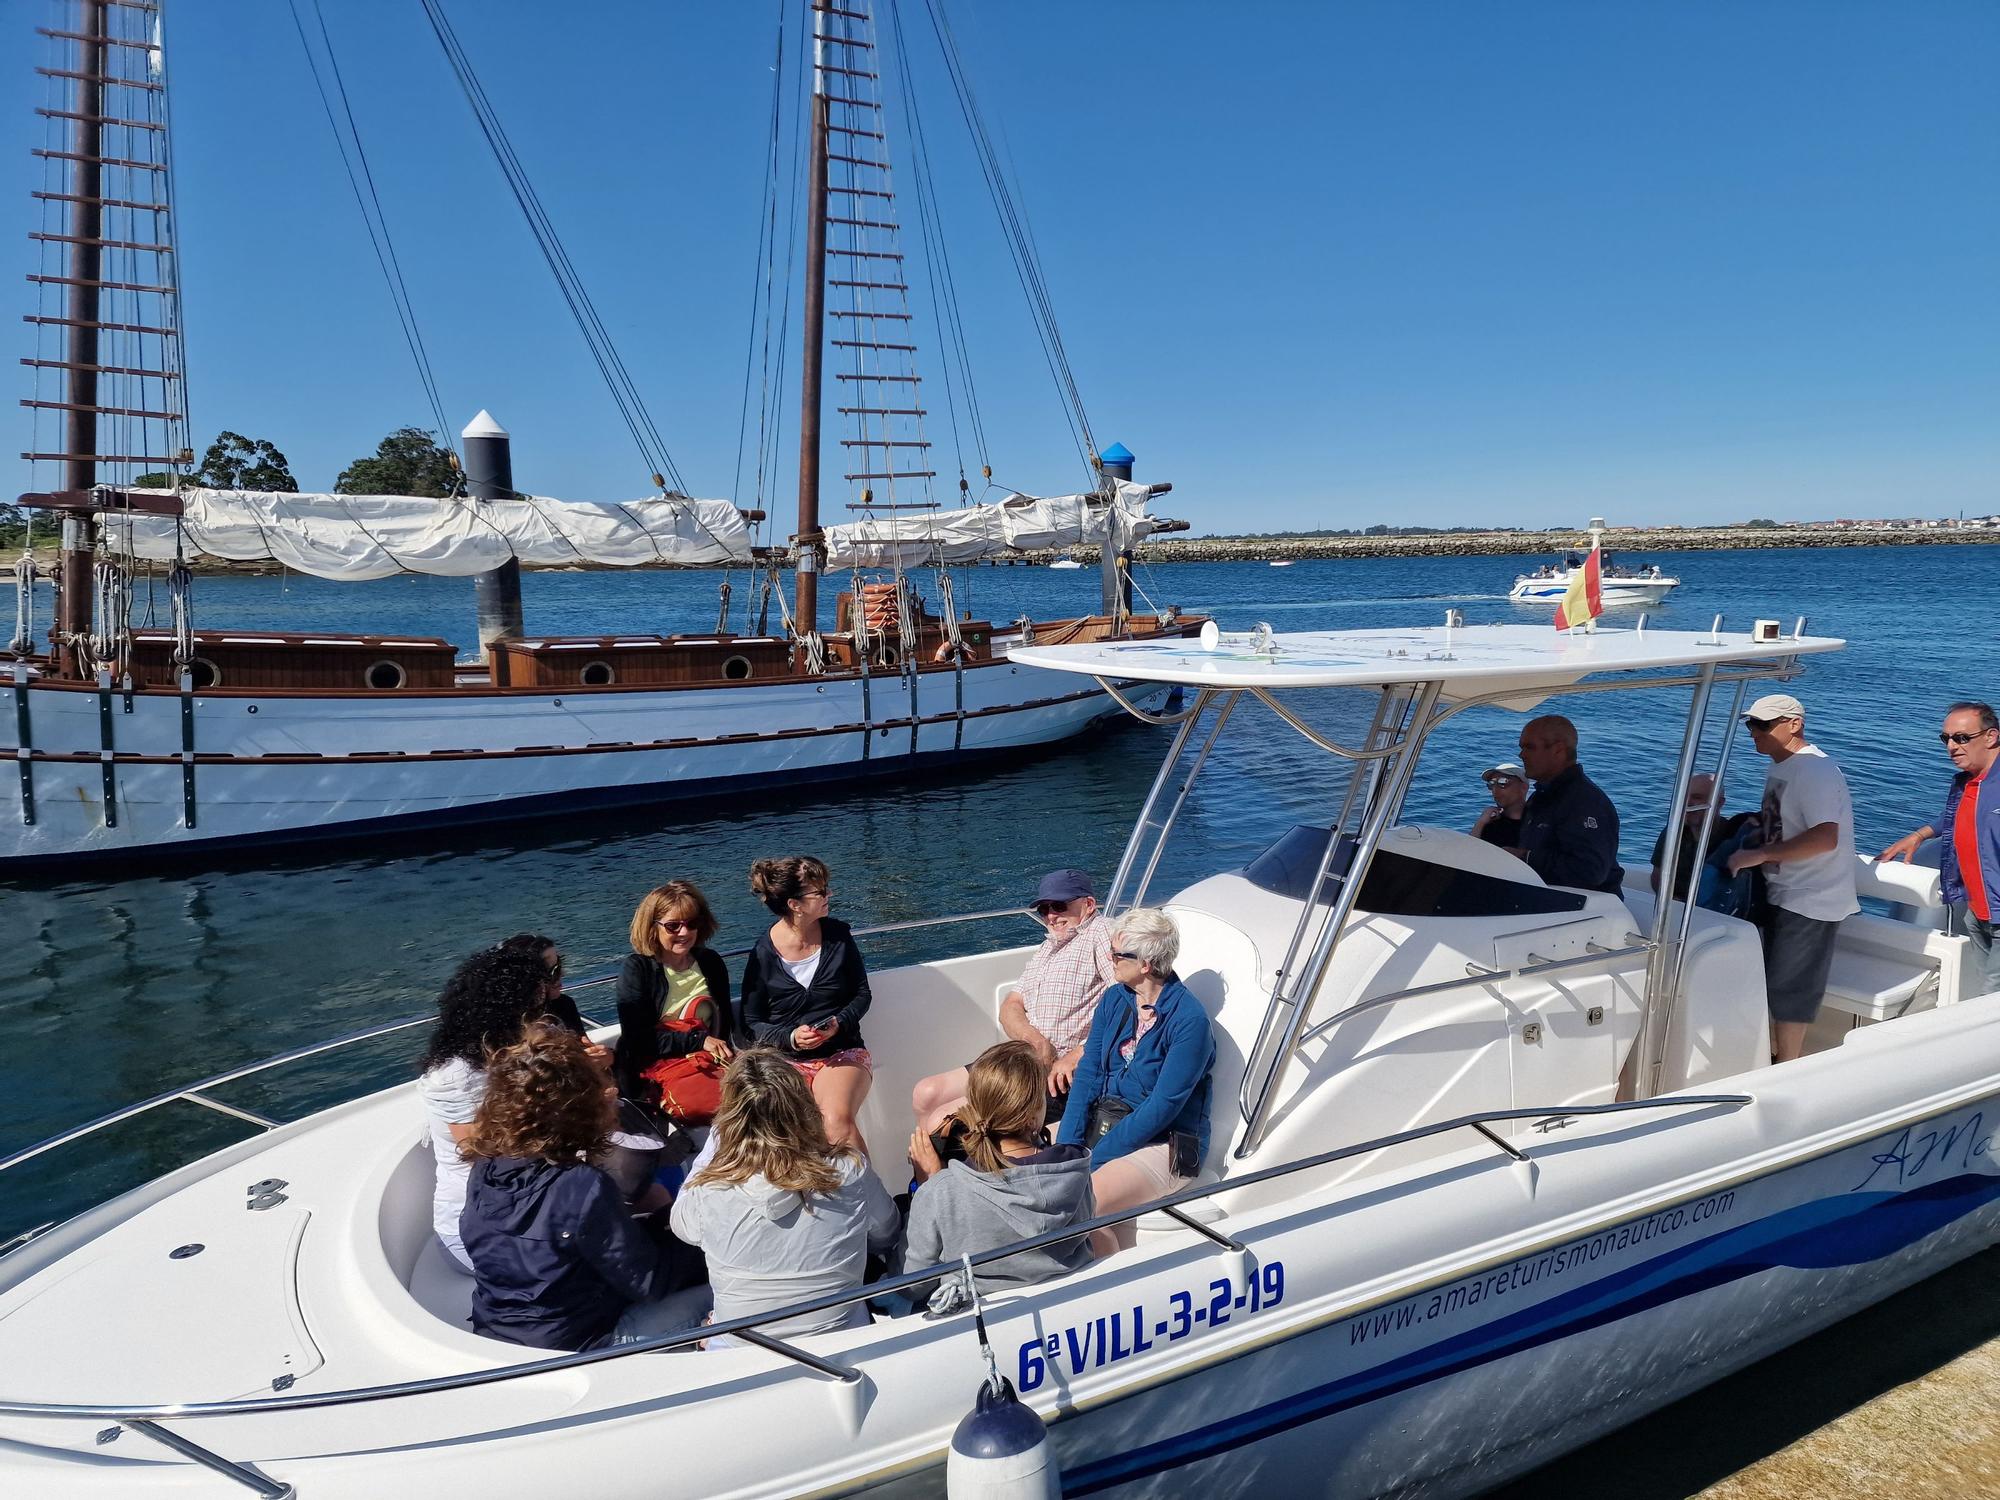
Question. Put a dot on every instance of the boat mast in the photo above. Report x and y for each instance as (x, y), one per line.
(810, 537)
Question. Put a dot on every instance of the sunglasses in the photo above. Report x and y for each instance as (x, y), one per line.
(1958, 737)
(555, 970)
(1499, 780)
(1050, 908)
(1130, 958)
(673, 926)
(1762, 726)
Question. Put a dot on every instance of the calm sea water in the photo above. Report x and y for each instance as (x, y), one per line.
(113, 990)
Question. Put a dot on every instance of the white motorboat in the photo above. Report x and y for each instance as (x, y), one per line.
(1496, 1167)
(1065, 565)
(1619, 585)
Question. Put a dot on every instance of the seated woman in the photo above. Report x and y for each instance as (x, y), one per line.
(1012, 1185)
(487, 1003)
(805, 990)
(673, 995)
(557, 1259)
(781, 1212)
(1139, 1100)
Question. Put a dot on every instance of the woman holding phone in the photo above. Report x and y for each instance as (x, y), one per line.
(805, 990)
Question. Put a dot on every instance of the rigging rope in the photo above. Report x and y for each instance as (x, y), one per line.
(760, 281)
(24, 604)
(604, 353)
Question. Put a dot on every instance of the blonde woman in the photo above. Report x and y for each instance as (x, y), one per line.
(1012, 1185)
(781, 1212)
(673, 993)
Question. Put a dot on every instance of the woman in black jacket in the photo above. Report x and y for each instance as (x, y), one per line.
(673, 993)
(805, 990)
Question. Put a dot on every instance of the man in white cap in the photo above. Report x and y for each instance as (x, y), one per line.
(1500, 824)
(1807, 856)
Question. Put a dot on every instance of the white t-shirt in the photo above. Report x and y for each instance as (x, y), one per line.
(1802, 791)
(451, 1093)
(803, 969)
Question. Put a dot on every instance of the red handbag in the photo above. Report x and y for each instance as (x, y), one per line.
(690, 1087)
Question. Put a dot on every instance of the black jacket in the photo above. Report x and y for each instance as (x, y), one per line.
(774, 1005)
(555, 1253)
(1569, 833)
(642, 987)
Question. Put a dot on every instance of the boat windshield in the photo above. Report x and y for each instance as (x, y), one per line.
(1398, 885)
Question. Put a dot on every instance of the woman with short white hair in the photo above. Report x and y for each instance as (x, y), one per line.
(1139, 1100)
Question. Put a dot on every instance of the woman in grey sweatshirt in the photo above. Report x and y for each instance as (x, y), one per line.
(1009, 1187)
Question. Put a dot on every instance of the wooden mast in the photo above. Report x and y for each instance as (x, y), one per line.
(812, 347)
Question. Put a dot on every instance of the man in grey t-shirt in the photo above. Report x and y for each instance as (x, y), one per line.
(1807, 856)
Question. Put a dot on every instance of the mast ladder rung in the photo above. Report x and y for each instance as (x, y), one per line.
(858, 161)
(101, 327)
(866, 135)
(848, 72)
(857, 103)
(103, 161)
(874, 286)
(865, 223)
(107, 411)
(101, 243)
(871, 344)
(835, 10)
(861, 254)
(98, 458)
(901, 379)
(70, 114)
(841, 41)
(882, 411)
(851, 312)
(855, 192)
(885, 505)
(883, 443)
(128, 83)
(158, 208)
(70, 364)
(78, 36)
(109, 286)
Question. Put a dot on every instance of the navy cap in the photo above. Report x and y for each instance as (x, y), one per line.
(1064, 885)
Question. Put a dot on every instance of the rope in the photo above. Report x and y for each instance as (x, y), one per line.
(24, 604)
(722, 617)
(180, 596)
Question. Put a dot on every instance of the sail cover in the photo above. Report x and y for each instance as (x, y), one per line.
(354, 537)
(1020, 523)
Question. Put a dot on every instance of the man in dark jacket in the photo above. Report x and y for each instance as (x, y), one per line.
(1569, 833)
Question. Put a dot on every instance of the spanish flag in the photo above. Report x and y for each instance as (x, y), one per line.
(1583, 601)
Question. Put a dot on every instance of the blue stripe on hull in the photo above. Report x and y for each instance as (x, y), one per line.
(1820, 1235)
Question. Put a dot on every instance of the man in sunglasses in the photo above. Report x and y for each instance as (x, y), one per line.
(1969, 872)
(1053, 1005)
(1500, 824)
(1807, 856)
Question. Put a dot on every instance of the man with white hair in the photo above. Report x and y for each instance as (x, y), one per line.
(1807, 856)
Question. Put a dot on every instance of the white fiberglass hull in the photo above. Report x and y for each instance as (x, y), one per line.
(1426, 1330)
(1613, 591)
(279, 767)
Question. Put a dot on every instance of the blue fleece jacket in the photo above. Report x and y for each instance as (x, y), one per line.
(1166, 1082)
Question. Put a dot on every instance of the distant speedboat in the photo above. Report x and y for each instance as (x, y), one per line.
(1618, 584)
(1064, 564)
(1281, 562)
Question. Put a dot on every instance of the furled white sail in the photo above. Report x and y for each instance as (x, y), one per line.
(353, 537)
(1020, 523)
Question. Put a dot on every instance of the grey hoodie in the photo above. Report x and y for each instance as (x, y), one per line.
(962, 1211)
(768, 1247)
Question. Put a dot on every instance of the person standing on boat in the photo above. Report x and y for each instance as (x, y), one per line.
(805, 990)
(1807, 856)
(1051, 1008)
(1500, 824)
(1713, 890)
(1569, 829)
(1969, 873)
(673, 1000)
(1139, 1100)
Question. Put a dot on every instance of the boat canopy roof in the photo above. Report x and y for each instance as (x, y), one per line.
(1518, 663)
(358, 537)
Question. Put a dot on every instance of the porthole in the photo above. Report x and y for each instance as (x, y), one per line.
(205, 673)
(890, 656)
(387, 676)
(597, 674)
(736, 668)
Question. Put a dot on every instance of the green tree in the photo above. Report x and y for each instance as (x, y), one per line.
(1763, 523)
(233, 462)
(409, 461)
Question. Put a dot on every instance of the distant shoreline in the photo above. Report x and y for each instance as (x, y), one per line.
(1542, 544)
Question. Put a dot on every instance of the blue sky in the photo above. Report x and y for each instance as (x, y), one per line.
(1319, 265)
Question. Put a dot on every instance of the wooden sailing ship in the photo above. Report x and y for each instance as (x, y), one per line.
(181, 741)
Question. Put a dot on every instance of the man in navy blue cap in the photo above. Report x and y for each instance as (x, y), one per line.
(1051, 1008)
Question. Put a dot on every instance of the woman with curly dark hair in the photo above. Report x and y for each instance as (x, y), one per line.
(486, 1004)
(558, 1259)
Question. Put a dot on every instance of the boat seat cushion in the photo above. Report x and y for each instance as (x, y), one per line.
(440, 1285)
(1876, 986)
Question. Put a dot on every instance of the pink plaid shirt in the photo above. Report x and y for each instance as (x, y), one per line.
(1063, 981)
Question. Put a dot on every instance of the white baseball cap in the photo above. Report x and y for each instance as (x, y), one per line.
(1505, 768)
(1774, 706)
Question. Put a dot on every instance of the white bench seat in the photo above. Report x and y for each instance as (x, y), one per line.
(1876, 986)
